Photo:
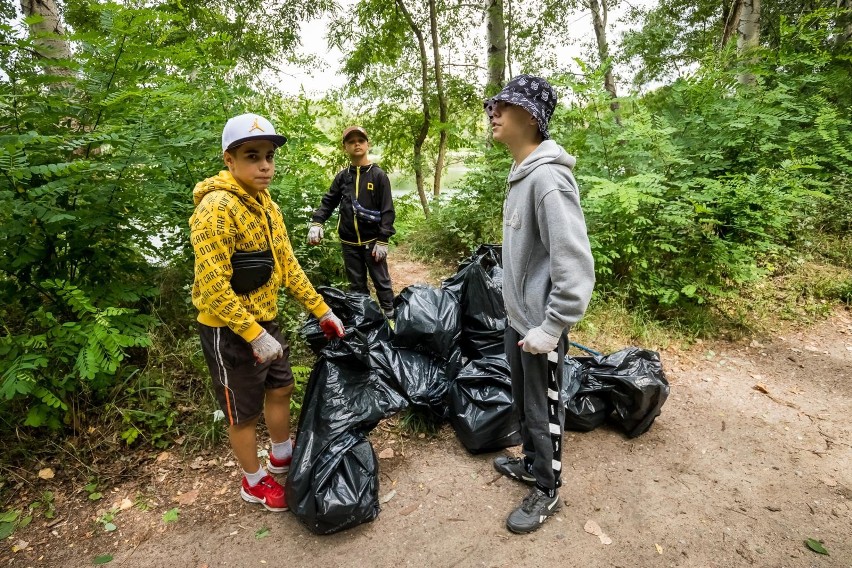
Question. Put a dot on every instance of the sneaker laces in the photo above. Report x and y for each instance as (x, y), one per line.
(531, 501)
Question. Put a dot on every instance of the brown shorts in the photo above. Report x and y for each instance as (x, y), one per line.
(239, 381)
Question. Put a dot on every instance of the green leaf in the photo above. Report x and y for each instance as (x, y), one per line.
(6, 529)
(95, 496)
(102, 559)
(171, 515)
(262, 533)
(816, 546)
(109, 527)
(10, 516)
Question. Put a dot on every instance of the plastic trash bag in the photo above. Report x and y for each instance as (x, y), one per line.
(639, 386)
(479, 286)
(480, 406)
(424, 379)
(427, 319)
(333, 479)
(344, 486)
(586, 400)
(357, 312)
(630, 382)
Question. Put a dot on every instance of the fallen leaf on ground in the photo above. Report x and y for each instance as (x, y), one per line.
(659, 548)
(45, 473)
(390, 495)
(262, 533)
(761, 388)
(816, 546)
(408, 510)
(125, 504)
(386, 453)
(164, 456)
(187, 498)
(20, 545)
(592, 527)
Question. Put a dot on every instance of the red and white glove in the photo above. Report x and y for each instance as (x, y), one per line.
(331, 325)
(538, 342)
(266, 348)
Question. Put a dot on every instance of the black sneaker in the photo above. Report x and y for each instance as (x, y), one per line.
(514, 468)
(534, 510)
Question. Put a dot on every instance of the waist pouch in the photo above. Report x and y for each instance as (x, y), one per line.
(364, 214)
(252, 270)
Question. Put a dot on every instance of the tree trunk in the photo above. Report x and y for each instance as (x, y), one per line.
(48, 34)
(847, 18)
(496, 47)
(424, 97)
(442, 99)
(748, 33)
(599, 17)
(731, 21)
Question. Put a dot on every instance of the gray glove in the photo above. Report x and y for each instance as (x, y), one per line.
(315, 234)
(380, 252)
(538, 342)
(266, 348)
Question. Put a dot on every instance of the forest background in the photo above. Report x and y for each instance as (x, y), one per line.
(714, 151)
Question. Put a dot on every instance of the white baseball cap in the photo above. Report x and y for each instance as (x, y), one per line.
(245, 127)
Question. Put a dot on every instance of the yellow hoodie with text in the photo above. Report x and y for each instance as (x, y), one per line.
(228, 219)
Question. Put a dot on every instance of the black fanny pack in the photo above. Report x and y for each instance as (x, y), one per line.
(252, 270)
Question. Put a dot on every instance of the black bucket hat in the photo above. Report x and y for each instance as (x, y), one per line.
(532, 93)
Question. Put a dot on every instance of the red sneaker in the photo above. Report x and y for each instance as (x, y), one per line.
(268, 493)
(279, 466)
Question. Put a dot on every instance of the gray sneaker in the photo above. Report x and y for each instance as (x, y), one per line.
(534, 510)
(514, 468)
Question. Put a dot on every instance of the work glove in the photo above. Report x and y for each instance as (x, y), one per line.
(315, 234)
(380, 252)
(331, 325)
(538, 342)
(266, 348)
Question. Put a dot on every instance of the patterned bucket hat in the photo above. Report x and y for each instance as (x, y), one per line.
(532, 93)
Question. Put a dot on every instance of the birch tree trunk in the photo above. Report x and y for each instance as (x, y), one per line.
(420, 138)
(442, 99)
(48, 34)
(599, 17)
(748, 33)
(496, 47)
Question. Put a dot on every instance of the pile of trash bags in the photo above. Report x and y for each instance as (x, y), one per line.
(444, 357)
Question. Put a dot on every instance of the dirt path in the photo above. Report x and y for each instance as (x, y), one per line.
(729, 475)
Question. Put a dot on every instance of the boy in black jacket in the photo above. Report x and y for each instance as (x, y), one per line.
(363, 193)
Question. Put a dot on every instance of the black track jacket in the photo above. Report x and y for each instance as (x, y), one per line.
(371, 187)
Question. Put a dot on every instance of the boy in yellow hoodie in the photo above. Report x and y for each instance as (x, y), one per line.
(242, 258)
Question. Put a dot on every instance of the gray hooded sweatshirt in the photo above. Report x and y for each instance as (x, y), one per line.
(548, 270)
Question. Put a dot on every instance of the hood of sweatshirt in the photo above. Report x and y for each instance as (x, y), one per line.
(224, 181)
(547, 152)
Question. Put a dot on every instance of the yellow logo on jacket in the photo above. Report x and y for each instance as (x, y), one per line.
(370, 186)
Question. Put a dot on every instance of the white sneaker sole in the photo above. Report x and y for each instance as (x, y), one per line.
(277, 470)
(249, 498)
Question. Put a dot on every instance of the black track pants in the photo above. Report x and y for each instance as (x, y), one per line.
(358, 261)
(536, 383)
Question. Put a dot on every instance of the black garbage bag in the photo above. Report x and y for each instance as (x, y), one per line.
(480, 406)
(357, 312)
(333, 478)
(344, 486)
(479, 286)
(587, 402)
(638, 386)
(427, 319)
(424, 379)
(630, 382)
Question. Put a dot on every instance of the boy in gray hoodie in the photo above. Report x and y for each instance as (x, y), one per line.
(548, 276)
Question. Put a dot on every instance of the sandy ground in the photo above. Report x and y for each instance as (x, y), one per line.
(750, 457)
